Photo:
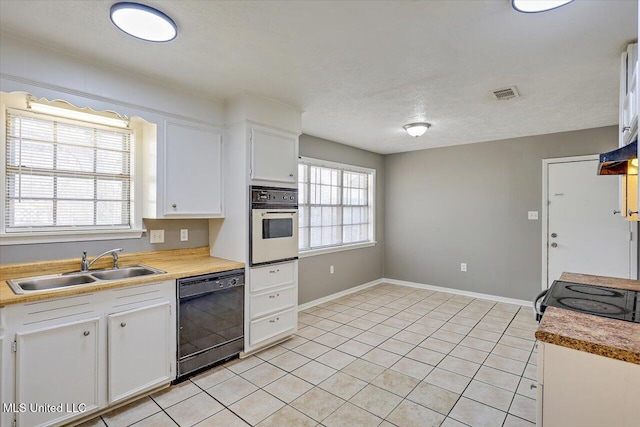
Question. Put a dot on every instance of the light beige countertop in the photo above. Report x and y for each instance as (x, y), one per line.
(606, 337)
(177, 263)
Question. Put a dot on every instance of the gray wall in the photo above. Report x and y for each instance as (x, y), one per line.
(354, 267)
(198, 236)
(469, 203)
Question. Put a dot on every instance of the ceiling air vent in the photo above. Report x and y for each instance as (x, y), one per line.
(506, 93)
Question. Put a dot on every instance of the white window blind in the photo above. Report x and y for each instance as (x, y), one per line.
(64, 174)
(335, 206)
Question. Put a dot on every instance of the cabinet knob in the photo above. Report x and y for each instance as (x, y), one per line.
(554, 245)
(123, 324)
(274, 320)
(174, 206)
(291, 175)
(86, 333)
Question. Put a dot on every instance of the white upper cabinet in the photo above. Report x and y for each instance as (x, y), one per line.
(186, 181)
(629, 95)
(274, 156)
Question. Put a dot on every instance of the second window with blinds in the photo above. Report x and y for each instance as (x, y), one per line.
(336, 206)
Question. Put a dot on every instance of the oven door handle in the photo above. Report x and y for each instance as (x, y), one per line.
(279, 213)
(537, 313)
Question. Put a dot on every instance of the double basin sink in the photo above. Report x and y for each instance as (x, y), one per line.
(46, 283)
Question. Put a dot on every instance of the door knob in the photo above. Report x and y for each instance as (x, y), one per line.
(554, 235)
(554, 245)
(616, 211)
(630, 212)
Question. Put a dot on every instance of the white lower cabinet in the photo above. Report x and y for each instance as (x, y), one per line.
(63, 359)
(137, 343)
(581, 389)
(272, 310)
(57, 366)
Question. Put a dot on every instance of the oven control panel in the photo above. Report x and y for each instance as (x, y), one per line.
(272, 196)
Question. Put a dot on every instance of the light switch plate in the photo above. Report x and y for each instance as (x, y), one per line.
(184, 234)
(533, 215)
(156, 236)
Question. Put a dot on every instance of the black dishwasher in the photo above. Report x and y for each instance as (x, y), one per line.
(210, 320)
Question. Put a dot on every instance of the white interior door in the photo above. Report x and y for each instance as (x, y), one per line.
(583, 233)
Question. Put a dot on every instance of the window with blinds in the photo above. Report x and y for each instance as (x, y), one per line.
(65, 174)
(335, 205)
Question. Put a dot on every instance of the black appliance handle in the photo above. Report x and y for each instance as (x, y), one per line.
(537, 313)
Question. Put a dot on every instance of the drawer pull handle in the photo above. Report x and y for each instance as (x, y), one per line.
(274, 296)
(274, 271)
(123, 324)
(86, 333)
(274, 320)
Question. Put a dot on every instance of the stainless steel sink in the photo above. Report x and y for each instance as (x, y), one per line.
(46, 283)
(125, 272)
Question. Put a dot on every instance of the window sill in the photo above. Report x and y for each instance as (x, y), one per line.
(71, 236)
(323, 251)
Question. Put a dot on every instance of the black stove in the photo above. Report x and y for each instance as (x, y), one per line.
(618, 304)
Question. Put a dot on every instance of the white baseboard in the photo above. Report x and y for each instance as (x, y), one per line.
(414, 285)
(459, 292)
(337, 295)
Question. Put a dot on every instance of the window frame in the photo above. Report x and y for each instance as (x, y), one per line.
(18, 101)
(372, 206)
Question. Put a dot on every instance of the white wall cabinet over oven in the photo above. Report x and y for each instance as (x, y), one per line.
(274, 155)
(272, 309)
(75, 350)
(186, 180)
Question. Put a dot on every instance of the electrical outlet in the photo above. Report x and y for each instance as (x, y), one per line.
(184, 234)
(532, 215)
(331, 270)
(463, 266)
(156, 236)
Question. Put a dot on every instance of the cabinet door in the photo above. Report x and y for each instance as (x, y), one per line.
(54, 366)
(192, 171)
(274, 156)
(139, 345)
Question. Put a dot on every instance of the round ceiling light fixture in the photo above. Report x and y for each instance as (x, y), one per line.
(535, 6)
(417, 129)
(143, 22)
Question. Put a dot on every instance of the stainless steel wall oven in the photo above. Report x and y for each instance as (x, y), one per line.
(210, 320)
(273, 230)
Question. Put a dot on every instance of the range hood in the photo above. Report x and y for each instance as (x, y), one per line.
(617, 162)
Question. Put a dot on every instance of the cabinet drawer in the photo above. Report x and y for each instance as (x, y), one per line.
(273, 301)
(272, 275)
(271, 326)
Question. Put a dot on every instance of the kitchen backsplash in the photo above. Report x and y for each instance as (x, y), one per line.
(198, 236)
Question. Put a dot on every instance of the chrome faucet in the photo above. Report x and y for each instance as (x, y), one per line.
(85, 265)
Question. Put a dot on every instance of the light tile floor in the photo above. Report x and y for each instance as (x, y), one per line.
(388, 355)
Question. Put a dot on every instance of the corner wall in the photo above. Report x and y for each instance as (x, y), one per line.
(469, 203)
(354, 267)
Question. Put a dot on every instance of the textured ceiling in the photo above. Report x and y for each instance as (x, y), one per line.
(361, 69)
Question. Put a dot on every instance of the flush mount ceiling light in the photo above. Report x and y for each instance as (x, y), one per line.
(143, 22)
(534, 6)
(416, 129)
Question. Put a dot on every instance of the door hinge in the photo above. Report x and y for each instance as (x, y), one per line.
(15, 422)
(14, 346)
(170, 368)
(631, 236)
